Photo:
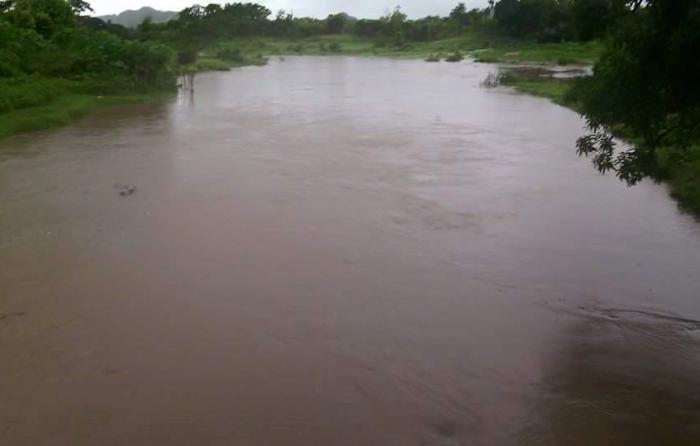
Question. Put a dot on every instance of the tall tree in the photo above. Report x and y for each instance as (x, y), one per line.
(459, 14)
(80, 6)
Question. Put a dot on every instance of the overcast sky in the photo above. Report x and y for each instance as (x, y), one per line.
(312, 8)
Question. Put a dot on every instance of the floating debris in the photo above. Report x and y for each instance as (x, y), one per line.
(12, 315)
(125, 190)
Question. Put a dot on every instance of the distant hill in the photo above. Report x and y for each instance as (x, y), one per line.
(131, 19)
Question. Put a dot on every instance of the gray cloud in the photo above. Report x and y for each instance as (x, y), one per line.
(312, 8)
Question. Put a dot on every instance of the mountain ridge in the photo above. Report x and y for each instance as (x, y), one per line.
(132, 18)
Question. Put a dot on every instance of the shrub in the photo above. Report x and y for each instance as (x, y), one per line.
(295, 48)
(186, 56)
(26, 92)
(565, 61)
(149, 64)
(205, 64)
(232, 54)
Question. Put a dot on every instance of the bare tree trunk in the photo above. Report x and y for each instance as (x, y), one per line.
(187, 79)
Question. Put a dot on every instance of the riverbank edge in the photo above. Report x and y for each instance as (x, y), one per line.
(683, 179)
(66, 109)
(682, 176)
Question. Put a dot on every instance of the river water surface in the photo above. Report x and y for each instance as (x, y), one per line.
(340, 251)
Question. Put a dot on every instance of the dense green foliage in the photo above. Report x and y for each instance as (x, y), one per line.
(44, 39)
(55, 64)
(543, 20)
(51, 39)
(645, 87)
(556, 20)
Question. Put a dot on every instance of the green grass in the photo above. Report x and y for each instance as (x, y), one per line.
(685, 186)
(64, 110)
(483, 47)
(553, 89)
(564, 53)
(682, 173)
(32, 103)
(211, 63)
(21, 92)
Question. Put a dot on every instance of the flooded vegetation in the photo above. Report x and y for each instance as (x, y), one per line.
(302, 253)
(552, 82)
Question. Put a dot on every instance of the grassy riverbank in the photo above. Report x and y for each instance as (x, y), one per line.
(483, 47)
(210, 62)
(553, 89)
(681, 172)
(65, 109)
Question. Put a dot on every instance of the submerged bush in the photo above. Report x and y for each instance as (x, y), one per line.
(455, 57)
(493, 80)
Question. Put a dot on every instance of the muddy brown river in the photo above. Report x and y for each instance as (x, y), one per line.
(340, 251)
